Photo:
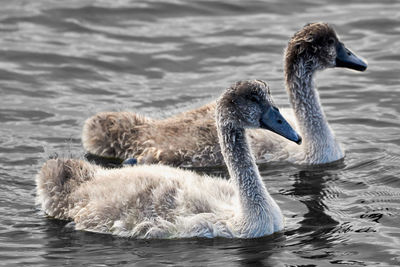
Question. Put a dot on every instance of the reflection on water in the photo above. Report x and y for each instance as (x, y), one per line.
(310, 189)
(61, 62)
(89, 248)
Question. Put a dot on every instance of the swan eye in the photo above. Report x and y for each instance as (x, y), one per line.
(254, 98)
(331, 41)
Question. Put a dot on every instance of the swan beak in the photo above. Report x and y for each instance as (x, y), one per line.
(347, 59)
(273, 120)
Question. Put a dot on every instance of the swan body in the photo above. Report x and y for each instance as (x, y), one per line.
(187, 139)
(190, 138)
(157, 201)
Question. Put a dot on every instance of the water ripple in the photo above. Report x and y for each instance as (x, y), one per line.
(61, 62)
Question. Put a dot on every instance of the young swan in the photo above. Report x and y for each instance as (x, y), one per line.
(156, 201)
(190, 138)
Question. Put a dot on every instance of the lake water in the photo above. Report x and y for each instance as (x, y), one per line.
(63, 61)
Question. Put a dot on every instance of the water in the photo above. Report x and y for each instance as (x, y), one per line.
(63, 61)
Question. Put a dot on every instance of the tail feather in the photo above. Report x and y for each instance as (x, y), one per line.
(109, 134)
(55, 182)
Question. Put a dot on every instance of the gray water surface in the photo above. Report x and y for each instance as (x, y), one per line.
(63, 61)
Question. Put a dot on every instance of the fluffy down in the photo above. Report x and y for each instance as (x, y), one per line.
(146, 205)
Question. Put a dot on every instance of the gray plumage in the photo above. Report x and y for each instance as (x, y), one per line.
(190, 138)
(157, 201)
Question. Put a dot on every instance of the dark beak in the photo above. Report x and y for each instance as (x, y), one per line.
(273, 120)
(347, 59)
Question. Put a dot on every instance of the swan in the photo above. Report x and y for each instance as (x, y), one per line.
(190, 138)
(158, 201)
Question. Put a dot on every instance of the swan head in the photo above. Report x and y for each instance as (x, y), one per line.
(249, 104)
(318, 44)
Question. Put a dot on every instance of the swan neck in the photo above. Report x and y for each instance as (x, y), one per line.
(318, 139)
(259, 210)
(303, 95)
(241, 164)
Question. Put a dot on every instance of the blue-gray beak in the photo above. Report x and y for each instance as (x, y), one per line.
(273, 120)
(347, 59)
